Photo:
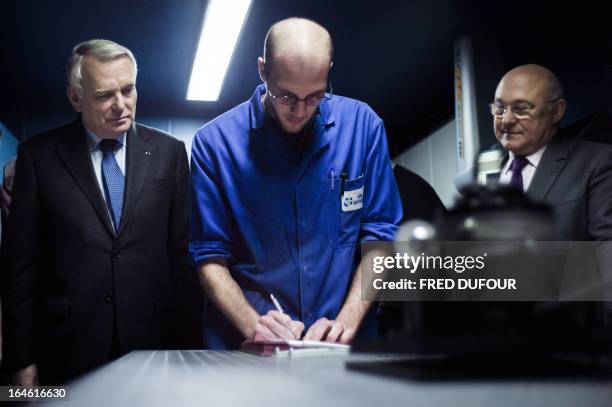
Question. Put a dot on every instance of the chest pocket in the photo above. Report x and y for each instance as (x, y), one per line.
(344, 211)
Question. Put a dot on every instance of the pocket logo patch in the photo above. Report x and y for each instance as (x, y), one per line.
(352, 200)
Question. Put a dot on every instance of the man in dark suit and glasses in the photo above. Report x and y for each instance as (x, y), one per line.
(98, 229)
(571, 175)
(554, 167)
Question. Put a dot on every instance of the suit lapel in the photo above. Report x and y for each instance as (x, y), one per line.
(74, 152)
(138, 160)
(502, 164)
(552, 163)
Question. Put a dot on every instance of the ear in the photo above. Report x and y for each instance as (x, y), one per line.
(74, 98)
(559, 111)
(261, 67)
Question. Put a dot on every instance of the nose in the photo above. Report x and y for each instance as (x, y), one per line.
(119, 103)
(508, 117)
(300, 107)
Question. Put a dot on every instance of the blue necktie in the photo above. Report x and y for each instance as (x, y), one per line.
(517, 166)
(113, 179)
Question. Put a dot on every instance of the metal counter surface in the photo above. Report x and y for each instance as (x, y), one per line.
(211, 378)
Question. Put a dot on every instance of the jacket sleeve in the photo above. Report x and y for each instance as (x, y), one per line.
(211, 228)
(600, 199)
(178, 222)
(383, 209)
(21, 258)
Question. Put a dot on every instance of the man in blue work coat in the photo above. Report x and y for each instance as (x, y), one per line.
(285, 187)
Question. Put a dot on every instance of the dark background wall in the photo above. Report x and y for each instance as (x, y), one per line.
(396, 55)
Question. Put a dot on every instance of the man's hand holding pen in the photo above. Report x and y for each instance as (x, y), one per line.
(277, 325)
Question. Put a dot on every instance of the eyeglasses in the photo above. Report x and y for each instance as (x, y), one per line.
(289, 99)
(520, 110)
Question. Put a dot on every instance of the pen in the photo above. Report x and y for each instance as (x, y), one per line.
(276, 304)
(343, 178)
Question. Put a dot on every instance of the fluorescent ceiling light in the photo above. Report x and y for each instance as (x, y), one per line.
(223, 22)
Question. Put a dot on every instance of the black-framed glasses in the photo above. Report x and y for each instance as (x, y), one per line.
(289, 99)
(520, 110)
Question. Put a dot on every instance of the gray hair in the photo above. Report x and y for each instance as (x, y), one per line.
(555, 87)
(555, 90)
(103, 50)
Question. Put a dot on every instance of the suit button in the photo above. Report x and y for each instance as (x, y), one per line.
(116, 253)
(109, 298)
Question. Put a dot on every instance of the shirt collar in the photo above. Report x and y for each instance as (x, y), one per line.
(93, 140)
(258, 115)
(534, 159)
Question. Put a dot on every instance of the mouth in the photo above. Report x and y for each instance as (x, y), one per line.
(508, 134)
(296, 122)
(120, 120)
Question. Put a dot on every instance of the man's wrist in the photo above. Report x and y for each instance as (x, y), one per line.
(247, 329)
(351, 315)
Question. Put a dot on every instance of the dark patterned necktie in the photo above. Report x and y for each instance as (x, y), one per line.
(517, 171)
(113, 179)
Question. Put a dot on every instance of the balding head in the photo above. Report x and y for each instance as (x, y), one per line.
(298, 40)
(538, 76)
(295, 69)
(527, 109)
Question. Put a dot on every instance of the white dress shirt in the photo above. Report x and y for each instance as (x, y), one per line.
(527, 173)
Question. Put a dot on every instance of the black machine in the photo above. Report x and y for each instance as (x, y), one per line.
(494, 330)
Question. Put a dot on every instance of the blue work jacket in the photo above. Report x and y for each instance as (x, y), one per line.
(288, 223)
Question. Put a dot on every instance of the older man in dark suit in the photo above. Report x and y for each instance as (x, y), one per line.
(554, 167)
(571, 175)
(98, 229)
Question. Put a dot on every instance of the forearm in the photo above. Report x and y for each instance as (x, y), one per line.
(354, 307)
(225, 293)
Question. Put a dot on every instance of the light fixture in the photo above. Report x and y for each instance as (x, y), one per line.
(223, 22)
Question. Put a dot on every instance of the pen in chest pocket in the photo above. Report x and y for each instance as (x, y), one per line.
(343, 179)
(332, 179)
